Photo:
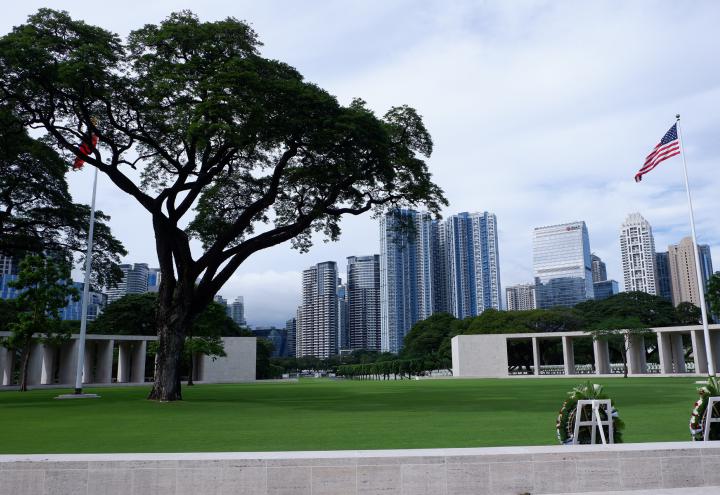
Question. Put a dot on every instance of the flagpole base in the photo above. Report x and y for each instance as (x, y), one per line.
(77, 396)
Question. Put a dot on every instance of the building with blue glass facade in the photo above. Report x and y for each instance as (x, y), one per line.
(605, 289)
(363, 302)
(470, 246)
(409, 285)
(562, 265)
(662, 276)
(96, 302)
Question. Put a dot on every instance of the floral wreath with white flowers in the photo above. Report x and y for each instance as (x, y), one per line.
(565, 424)
(698, 419)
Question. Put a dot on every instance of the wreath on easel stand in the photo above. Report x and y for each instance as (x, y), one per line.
(698, 420)
(565, 425)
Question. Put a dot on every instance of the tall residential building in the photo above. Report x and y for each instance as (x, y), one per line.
(153, 279)
(363, 283)
(291, 330)
(561, 265)
(599, 270)
(683, 275)
(520, 297)
(134, 281)
(343, 332)
(236, 311)
(663, 286)
(409, 288)
(317, 325)
(637, 248)
(471, 260)
(221, 300)
(605, 289)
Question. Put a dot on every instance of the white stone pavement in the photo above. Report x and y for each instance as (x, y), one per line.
(709, 490)
(676, 468)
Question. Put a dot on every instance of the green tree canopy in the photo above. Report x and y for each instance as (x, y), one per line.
(134, 314)
(713, 294)
(649, 310)
(239, 147)
(431, 337)
(37, 214)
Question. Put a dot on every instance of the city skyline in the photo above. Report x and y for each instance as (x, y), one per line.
(568, 139)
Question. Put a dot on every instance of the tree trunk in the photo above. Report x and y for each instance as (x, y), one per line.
(173, 319)
(192, 367)
(24, 366)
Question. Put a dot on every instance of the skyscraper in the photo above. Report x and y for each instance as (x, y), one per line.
(153, 280)
(409, 255)
(561, 264)
(599, 270)
(343, 331)
(520, 297)
(637, 248)
(663, 286)
(683, 275)
(363, 277)
(317, 325)
(236, 311)
(134, 281)
(291, 329)
(605, 289)
(472, 268)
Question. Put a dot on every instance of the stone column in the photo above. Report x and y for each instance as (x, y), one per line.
(665, 352)
(602, 357)
(89, 362)
(699, 354)
(104, 365)
(536, 355)
(635, 345)
(678, 352)
(715, 339)
(34, 369)
(68, 362)
(48, 364)
(123, 368)
(6, 366)
(568, 355)
(138, 361)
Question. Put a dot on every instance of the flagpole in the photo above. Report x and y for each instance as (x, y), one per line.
(86, 293)
(700, 281)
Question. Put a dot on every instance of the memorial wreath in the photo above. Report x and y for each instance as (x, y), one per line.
(565, 424)
(698, 420)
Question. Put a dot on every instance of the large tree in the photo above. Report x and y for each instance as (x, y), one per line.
(233, 149)
(37, 214)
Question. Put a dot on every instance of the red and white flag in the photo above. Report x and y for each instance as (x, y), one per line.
(87, 147)
(668, 147)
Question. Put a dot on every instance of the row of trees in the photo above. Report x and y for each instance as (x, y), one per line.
(397, 368)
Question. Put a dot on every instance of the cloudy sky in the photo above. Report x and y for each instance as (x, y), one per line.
(541, 113)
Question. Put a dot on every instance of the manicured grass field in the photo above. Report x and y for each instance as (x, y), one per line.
(331, 415)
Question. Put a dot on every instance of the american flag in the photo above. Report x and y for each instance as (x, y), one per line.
(668, 147)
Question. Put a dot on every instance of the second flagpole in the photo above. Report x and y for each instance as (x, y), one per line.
(700, 281)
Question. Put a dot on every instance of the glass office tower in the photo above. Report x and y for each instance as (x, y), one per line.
(562, 265)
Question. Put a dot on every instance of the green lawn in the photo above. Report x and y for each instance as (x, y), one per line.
(330, 415)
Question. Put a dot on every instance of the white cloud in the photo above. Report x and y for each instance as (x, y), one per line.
(540, 111)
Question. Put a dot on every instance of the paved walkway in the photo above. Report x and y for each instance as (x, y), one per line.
(659, 491)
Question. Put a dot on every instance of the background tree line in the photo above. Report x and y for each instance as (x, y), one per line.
(427, 345)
